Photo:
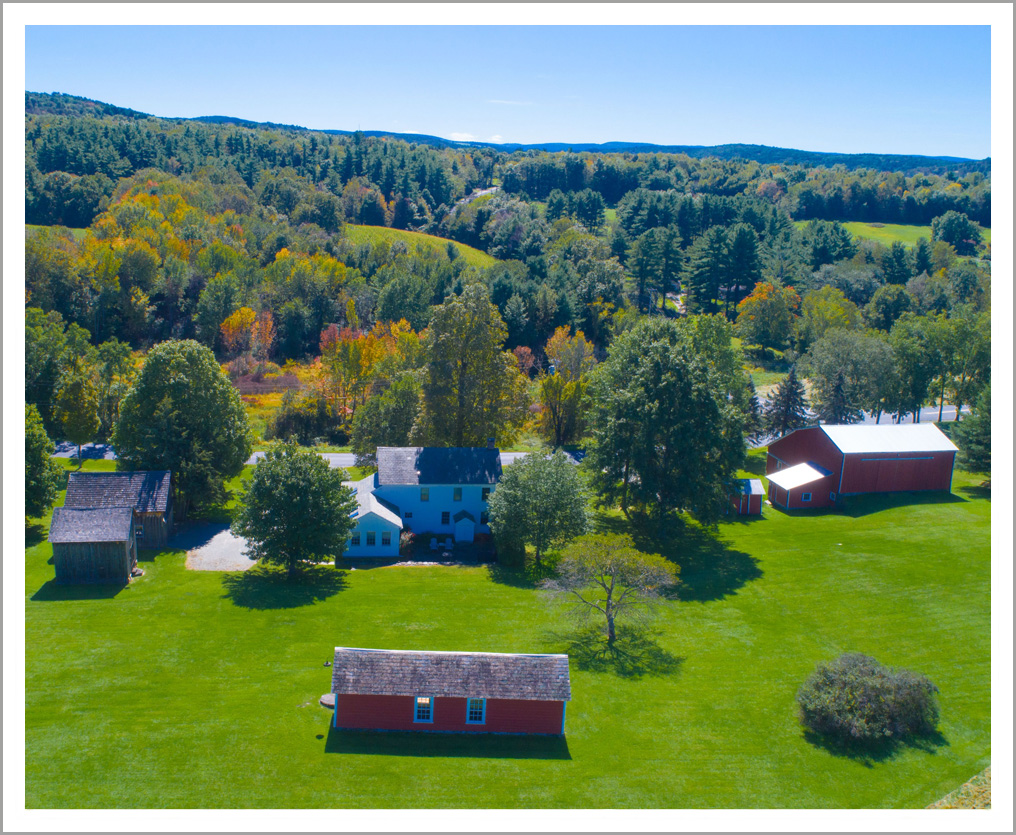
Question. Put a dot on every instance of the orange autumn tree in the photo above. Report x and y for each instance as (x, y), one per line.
(563, 392)
(262, 337)
(767, 316)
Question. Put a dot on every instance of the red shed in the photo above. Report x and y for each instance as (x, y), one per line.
(458, 692)
(747, 499)
(862, 459)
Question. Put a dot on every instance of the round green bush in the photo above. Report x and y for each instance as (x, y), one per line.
(856, 699)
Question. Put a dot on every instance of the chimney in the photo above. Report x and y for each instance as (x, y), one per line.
(490, 443)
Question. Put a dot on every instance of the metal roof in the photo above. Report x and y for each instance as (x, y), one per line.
(907, 437)
(91, 524)
(797, 476)
(438, 465)
(751, 487)
(479, 675)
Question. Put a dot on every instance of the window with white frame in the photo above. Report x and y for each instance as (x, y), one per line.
(386, 537)
(355, 540)
(476, 711)
(370, 537)
(806, 497)
(424, 709)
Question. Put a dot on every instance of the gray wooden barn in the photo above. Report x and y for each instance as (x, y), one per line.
(93, 545)
(147, 493)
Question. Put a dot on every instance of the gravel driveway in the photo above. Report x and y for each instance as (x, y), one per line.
(211, 547)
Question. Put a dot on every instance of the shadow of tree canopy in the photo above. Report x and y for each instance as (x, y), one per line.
(977, 492)
(869, 752)
(422, 744)
(267, 587)
(755, 464)
(34, 533)
(865, 505)
(52, 590)
(634, 654)
(710, 569)
(528, 577)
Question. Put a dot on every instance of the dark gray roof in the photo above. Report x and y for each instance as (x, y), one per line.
(480, 675)
(106, 524)
(464, 514)
(438, 465)
(145, 491)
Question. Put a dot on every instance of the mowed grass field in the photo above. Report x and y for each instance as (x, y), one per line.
(31, 229)
(372, 234)
(887, 233)
(200, 689)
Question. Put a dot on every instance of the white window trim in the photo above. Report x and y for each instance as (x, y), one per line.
(806, 497)
(386, 534)
(483, 715)
(416, 714)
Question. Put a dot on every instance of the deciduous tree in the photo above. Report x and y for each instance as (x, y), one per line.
(766, 317)
(295, 509)
(43, 475)
(607, 576)
(183, 415)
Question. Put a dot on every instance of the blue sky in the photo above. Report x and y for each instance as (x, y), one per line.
(889, 89)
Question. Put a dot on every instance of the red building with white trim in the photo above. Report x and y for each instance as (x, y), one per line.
(457, 692)
(815, 466)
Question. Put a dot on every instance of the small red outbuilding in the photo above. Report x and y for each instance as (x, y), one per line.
(815, 466)
(461, 692)
(747, 499)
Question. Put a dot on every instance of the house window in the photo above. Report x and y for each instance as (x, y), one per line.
(139, 532)
(356, 539)
(457, 494)
(476, 711)
(370, 538)
(484, 518)
(424, 494)
(832, 497)
(485, 494)
(409, 514)
(386, 537)
(424, 709)
(445, 517)
(806, 497)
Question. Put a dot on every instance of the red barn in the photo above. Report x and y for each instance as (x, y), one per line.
(459, 692)
(815, 466)
(747, 499)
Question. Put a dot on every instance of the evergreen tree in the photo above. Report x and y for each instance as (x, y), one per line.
(895, 264)
(706, 270)
(973, 436)
(837, 409)
(744, 268)
(787, 408)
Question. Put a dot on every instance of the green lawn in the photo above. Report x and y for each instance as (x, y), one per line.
(371, 234)
(78, 234)
(194, 689)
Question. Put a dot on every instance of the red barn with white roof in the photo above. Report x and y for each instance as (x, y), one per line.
(815, 466)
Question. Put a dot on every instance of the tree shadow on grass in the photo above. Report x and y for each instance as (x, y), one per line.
(419, 744)
(867, 753)
(52, 590)
(634, 653)
(865, 505)
(267, 587)
(710, 569)
(977, 492)
(34, 534)
(528, 577)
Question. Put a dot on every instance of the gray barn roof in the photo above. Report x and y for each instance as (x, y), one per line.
(438, 465)
(480, 675)
(145, 491)
(74, 524)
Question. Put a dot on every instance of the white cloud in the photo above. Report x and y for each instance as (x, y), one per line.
(462, 137)
(496, 138)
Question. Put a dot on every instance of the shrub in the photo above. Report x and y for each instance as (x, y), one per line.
(307, 420)
(857, 699)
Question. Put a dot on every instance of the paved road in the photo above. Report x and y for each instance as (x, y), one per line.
(65, 449)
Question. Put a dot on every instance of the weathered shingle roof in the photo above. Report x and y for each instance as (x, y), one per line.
(145, 491)
(480, 675)
(75, 524)
(438, 465)
(367, 502)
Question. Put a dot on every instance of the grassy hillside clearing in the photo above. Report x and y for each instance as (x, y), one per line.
(372, 234)
(200, 689)
(77, 233)
(887, 233)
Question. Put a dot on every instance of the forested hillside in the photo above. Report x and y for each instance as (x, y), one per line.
(275, 244)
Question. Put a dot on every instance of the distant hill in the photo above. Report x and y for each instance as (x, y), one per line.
(66, 105)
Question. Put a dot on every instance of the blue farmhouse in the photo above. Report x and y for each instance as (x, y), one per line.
(439, 490)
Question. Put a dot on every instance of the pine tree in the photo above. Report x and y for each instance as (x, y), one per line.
(836, 408)
(755, 426)
(787, 409)
(973, 435)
